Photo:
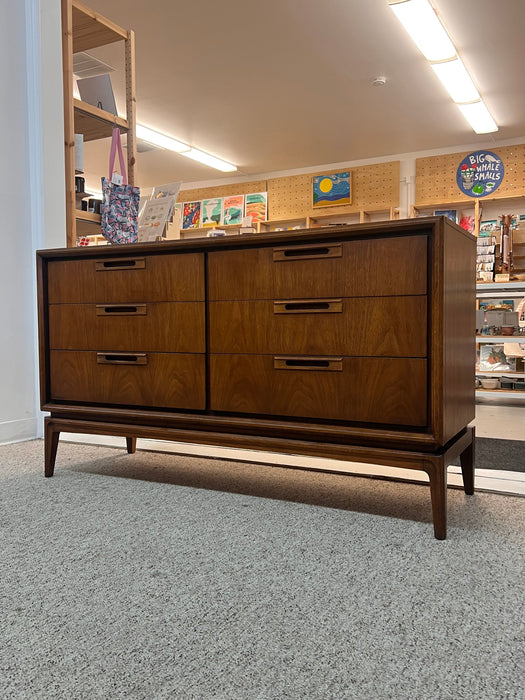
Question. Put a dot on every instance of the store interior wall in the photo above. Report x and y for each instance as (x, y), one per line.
(32, 205)
(32, 194)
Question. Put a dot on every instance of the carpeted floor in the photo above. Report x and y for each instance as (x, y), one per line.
(155, 576)
(508, 455)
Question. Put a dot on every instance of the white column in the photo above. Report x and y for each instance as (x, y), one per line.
(26, 221)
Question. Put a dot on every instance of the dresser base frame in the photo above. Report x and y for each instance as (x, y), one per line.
(433, 463)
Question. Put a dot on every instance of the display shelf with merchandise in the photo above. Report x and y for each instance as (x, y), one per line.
(479, 209)
(509, 371)
(83, 30)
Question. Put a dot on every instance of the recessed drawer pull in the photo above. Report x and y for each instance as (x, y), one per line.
(121, 264)
(331, 364)
(306, 306)
(121, 310)
(111, 358)
(307, 252)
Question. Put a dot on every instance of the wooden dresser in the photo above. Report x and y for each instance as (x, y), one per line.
(349, 342)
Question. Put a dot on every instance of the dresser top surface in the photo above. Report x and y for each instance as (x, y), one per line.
(433, 226)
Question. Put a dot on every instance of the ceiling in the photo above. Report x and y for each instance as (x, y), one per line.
(284, 84)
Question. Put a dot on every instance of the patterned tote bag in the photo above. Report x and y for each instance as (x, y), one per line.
(120, 202)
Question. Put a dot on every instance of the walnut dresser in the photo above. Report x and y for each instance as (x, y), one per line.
(349, 342)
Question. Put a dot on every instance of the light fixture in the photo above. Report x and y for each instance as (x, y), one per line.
(170, 144)
(212, 161)
(456, 80)
(479, 117)
(158, 139)
(422, 23)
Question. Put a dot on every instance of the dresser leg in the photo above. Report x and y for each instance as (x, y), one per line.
(437, 473)
(467, 460)
(51, 435)
(131, 444)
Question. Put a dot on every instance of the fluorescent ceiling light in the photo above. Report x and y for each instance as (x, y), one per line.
(421, 22)
(478, 116)
(212, 161)
(161, 140)
(456, 80)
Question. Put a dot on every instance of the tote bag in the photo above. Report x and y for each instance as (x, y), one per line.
(120, 203)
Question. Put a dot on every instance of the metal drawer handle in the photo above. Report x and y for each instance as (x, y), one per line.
(291, 253)
(306, 306)
(122, 358)
(121, 264)
(121, 310)
(331, 364)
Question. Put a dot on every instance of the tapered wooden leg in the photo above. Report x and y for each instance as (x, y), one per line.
(467, 460)
(51, 436)
(131, 444)
(437, 473)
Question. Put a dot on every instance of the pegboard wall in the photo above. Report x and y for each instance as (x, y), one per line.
(373, 187)
(222, 191)
(436, 176)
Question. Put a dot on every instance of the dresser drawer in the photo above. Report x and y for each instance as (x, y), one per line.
(367, 267)
(161, 380)
(373, 326)
(371, 390)
(147, 327)
(127, 279)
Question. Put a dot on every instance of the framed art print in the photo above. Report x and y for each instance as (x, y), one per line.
(331, 190)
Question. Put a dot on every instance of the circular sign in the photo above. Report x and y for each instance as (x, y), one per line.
(480, 173)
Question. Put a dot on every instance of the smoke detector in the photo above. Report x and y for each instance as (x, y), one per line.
(379, 81)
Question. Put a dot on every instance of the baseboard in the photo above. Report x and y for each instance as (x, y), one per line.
(512, 483)
(19, 430)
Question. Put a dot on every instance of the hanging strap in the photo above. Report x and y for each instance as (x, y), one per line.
(116, 145)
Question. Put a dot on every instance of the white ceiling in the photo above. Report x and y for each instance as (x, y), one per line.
(283, 84)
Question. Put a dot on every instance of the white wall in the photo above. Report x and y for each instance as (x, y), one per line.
(32, 208)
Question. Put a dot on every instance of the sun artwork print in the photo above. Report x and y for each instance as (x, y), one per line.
(329, 190)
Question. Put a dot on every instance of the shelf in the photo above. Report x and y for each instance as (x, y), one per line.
(501, 373)
(91, 29)
(95, 123)
(87, 223)
(500, 286)
(203, 230)
(502, 393)
(363, 216)
(500, 339)
(300, 223)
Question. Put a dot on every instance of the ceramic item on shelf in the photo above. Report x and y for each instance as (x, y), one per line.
(507, 330)
(490, 383)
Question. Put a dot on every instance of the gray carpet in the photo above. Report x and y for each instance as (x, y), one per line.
(153, 576)
(508, 455)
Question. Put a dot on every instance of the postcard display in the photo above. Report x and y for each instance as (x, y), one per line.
(228, 210)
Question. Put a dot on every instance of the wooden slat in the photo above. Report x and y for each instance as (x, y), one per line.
(95, 123)
(131, 105)
(69, 122)
(91, 29)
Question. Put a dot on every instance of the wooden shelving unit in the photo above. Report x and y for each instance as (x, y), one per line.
(476, 206)
(501, 290)
(319, 220)
(82, 30)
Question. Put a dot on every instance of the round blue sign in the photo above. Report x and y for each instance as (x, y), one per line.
(480, 173)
